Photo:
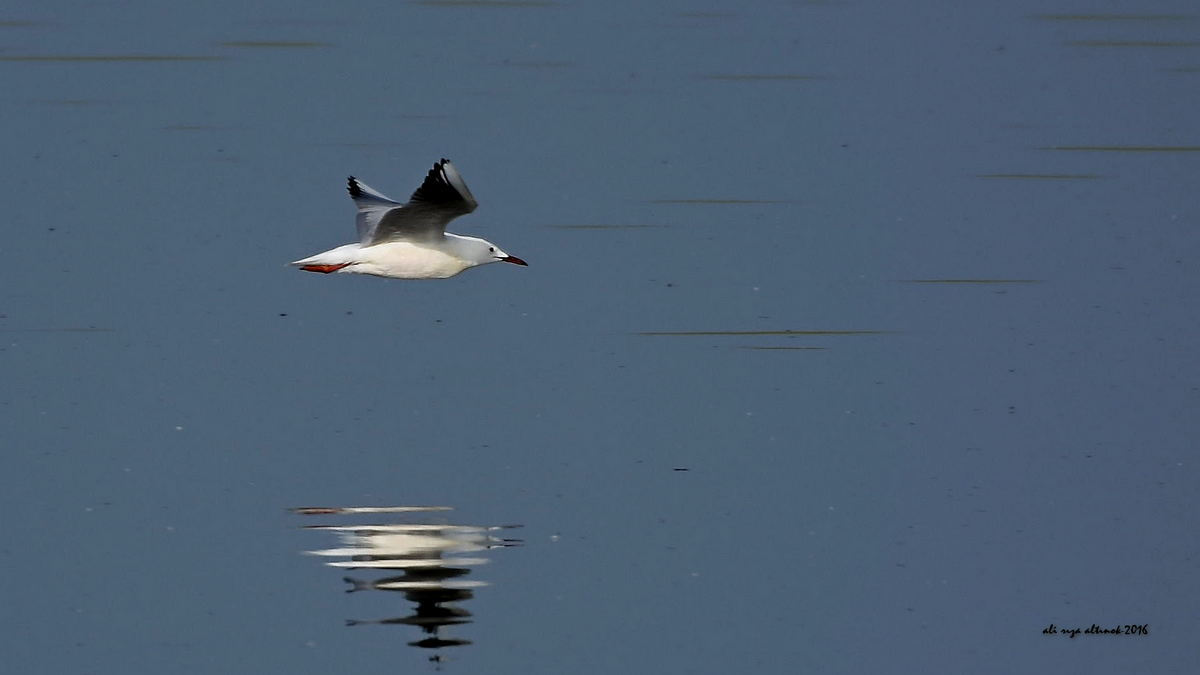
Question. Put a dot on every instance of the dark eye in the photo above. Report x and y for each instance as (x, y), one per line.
(491, 249)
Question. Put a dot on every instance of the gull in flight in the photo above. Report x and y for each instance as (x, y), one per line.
(410, 241)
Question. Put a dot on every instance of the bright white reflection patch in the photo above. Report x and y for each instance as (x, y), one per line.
(430, 562)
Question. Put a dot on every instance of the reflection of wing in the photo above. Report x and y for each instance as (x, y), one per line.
(440, 199)
(430, 561)
(342, 510)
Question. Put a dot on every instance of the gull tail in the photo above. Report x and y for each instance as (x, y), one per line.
(335, 260)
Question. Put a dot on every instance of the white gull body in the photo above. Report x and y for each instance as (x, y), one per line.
(409, 241)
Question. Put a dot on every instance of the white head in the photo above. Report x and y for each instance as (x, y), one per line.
(476, 251)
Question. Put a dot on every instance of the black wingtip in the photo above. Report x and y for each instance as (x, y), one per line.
(352, 187)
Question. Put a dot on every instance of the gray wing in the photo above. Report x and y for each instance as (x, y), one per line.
(440, 199)
(372, 207)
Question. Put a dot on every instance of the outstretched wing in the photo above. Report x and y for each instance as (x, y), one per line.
(440, 199)
(372, 207)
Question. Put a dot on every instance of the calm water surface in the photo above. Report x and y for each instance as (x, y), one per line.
(852, 334)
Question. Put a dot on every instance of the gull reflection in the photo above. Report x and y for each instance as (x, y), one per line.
(433, 561)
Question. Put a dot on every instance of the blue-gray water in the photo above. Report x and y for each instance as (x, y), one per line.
(854, 334)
